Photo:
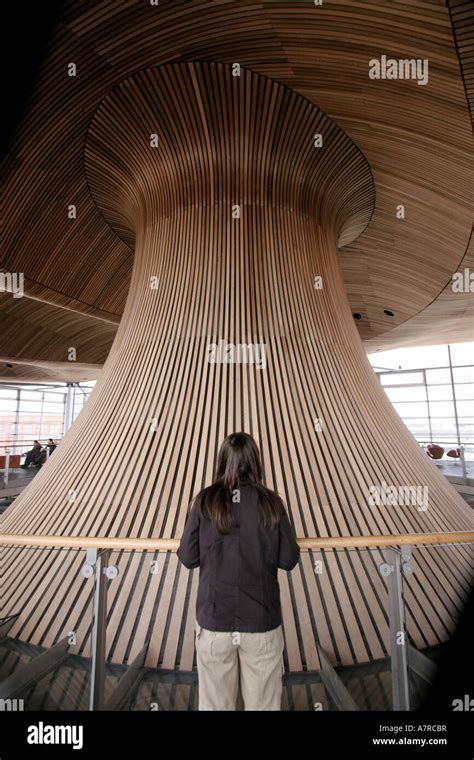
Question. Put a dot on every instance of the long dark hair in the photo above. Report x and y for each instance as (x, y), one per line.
(238, 462)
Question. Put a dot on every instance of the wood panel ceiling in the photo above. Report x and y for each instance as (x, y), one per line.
(417, 140)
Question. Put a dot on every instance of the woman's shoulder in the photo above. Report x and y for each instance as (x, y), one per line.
(263, 491)
(199, 498)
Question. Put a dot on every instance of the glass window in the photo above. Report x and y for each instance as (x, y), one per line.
(52, 420)
(54, 397)
(410, 393)
(465, 409)
(7, 393)
(419, 428)
(401, 378)
(7, 406)
(461, 353)
(50, 408)
(441, 409)
(30, 396)
(463, 374)
(464, 391)
(466, 430)
(445, 431)
(416, 409)
(440, 392)
(30, 407)
(437, 376)
(411, 358)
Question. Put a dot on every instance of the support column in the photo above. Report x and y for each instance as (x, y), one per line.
(234, 193)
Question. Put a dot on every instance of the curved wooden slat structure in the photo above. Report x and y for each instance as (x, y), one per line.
(417, 141)
(148, 437)
(451, 312)
(462, 18)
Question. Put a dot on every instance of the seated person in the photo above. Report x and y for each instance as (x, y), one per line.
(47, 451)
(33, 456)
(434, 451)
(453, 453)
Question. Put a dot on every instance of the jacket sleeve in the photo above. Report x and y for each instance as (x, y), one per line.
(289, 551)
(188, 551)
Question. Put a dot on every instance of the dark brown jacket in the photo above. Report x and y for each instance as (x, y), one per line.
(238, 586)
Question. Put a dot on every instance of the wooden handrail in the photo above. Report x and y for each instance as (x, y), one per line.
(397, 539)
(171, 544)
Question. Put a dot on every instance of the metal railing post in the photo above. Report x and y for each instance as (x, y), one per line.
(463, 463)
(97, 565)
(392, 570)
(68, 409)
(7, 466)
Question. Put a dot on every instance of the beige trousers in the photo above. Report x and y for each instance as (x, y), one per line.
(260, 656)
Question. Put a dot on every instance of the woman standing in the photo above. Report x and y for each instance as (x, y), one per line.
(238, 534)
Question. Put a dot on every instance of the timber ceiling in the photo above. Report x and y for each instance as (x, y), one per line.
(416, 139)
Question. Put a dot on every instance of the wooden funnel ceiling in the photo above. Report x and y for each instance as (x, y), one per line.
(416, 139)
(235, 215)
